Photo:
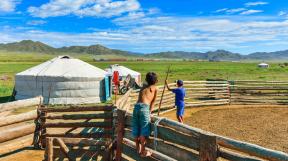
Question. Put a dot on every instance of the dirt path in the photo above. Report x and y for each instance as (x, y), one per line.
(263, 125)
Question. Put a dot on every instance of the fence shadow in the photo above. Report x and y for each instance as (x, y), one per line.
(17, 151)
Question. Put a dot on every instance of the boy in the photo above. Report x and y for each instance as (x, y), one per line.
(141, 114)
(179, 99)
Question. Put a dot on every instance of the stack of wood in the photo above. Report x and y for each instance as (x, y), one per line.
(16, 131)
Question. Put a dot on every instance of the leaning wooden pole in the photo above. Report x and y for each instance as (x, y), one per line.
(160, 103)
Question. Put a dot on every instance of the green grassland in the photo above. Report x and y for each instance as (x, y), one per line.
(10, 64)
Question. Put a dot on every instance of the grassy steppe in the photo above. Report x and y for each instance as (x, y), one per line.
(10, 64)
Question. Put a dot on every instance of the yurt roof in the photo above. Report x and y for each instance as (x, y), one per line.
(64, 66)
(263, 64)
(123, 71)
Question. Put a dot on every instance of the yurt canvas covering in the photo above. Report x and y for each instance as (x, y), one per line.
(263, 65)
(124, 71)
(63, 80)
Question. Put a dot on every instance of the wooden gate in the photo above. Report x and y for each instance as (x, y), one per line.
(76, 132)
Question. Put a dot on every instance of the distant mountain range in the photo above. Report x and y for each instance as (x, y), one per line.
(218, 55)
(39, 47)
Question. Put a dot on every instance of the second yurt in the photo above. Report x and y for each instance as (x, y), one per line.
(64, 80)
(124, 72)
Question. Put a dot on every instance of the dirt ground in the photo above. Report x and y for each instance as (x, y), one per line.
(263, 125)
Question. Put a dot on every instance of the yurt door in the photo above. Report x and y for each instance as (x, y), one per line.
(107, 89)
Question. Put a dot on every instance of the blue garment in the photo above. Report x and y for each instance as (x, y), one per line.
(141, 120)
(180, 111)
(179, 96)
(179, 100)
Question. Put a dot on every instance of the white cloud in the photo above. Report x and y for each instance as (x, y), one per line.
(152, 34)
(221, 10)
(249, 12)
(8, 5)
(36, 22)
(230, 11)
(153, 11)
(95, 8)
(249, 4)
(236, 10)
(282, 13)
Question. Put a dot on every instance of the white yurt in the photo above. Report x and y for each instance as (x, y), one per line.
(123, 72)
(63, 80)
(263, 65)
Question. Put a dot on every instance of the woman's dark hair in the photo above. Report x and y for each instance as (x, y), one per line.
(151, 78)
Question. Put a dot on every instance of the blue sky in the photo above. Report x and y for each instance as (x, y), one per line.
(147, 26)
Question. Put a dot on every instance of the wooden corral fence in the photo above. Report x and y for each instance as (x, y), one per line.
(211, 93)
(198, 93)
(171, 141)
(76, 132)
(259, 92)
(16, 131)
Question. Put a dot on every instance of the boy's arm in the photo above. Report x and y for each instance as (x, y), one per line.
(166, 83)
(153, 100)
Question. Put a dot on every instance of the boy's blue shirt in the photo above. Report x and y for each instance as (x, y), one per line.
(179, 96)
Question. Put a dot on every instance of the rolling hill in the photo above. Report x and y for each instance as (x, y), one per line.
(39, 47)
(218, 55)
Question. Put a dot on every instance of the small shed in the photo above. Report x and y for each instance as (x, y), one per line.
(64, 80)
(263, 65)
(124, 72)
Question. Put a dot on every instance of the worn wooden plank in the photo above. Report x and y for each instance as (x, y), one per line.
(229, 155)
(80, 116)
(49, 149)
(16, 132)
(83, 142)
(77, 124)
(12, 119)
(77, 153)
(105, 134)
(252, 149)
(21, 103)
(179, 138)
(78, 109)
(63, 148)
(120, 133)
(208, 148)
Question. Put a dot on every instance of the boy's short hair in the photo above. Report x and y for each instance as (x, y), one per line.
(151, 78)
(179, 82)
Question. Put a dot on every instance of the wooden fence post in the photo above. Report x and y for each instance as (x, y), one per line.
(208, 148)
(120, 133)
(49, 149)
(43, 130)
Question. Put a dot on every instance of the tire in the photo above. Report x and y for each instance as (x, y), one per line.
(123, 90)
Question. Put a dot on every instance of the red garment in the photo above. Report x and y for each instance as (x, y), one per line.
(116, 78)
